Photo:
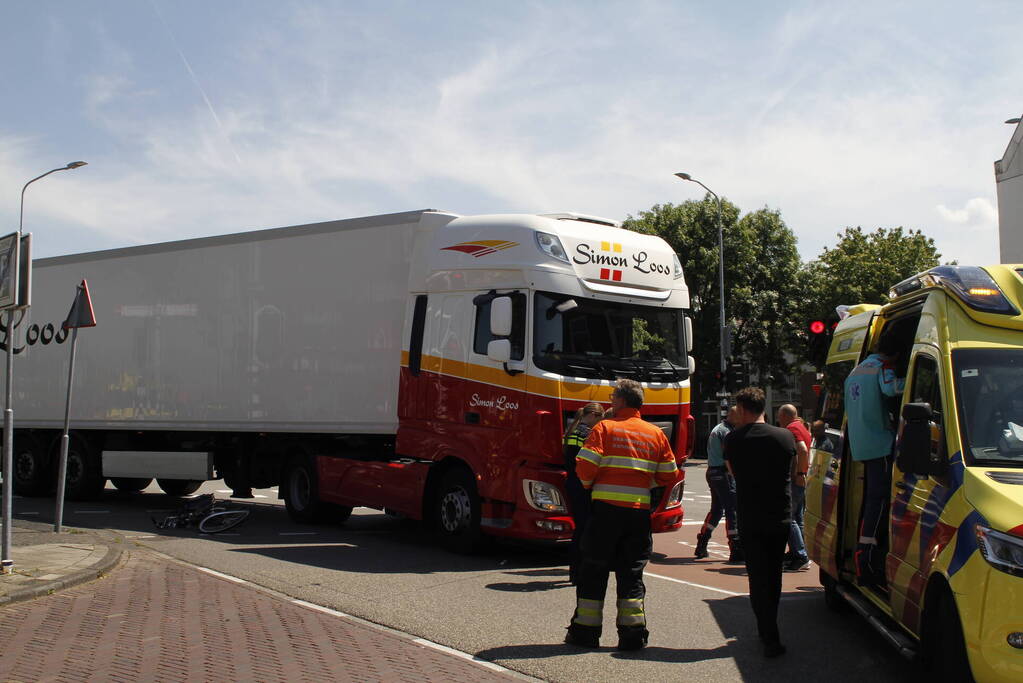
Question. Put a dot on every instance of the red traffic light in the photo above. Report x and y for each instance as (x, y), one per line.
(817, 326)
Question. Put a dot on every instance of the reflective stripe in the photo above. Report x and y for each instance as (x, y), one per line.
(625, 494)
(868, 540)
(574, 440)
(629, 463)
(587, 483)
(630, 612)
(667, 467)
(588, 612)
(589, 456)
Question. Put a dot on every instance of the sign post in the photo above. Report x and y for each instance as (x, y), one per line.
(10, 253)
(80, 315)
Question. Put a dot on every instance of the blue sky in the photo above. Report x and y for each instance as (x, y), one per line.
(201, 118)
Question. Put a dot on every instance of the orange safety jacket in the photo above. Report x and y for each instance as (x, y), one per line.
(623, 458)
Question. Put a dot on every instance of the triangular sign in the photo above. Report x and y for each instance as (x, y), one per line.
(81, 314)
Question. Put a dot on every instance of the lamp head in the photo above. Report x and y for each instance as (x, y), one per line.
(76, 164)
(1014, 120)
(684, 176)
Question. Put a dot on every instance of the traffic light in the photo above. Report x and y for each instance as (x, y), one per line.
(820, 340)
(737, 377)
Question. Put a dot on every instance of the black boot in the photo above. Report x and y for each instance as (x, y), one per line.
(735, 554)
(701, 546)
(632, 638)
(583, 636)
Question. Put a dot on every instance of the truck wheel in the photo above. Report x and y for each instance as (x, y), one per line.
(84, 479)
(300, 495)
(832, 598)
(457, 513)
(130, 484)
(32, 473)
(179, 487)
(944, 649)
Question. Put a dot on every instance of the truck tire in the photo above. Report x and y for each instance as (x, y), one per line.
(32, 473)
(300, 492)
(130, 484)
(179, 487)
(832, 598)
(84, 478)
(457, 513)
(944, 649)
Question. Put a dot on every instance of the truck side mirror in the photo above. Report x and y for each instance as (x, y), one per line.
(500, 317)
(689, 339)
(692, 364)
(499, 350)
(921, 444)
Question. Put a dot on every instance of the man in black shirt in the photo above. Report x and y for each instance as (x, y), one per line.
(760, 456)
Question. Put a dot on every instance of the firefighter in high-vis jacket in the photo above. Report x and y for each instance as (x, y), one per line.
(621, 460)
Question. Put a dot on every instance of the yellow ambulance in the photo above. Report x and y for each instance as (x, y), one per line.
(953, 591)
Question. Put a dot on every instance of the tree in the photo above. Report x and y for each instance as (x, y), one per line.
(861, 268)
(761, 270)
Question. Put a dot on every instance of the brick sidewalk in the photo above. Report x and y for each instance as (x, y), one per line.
(156, 620)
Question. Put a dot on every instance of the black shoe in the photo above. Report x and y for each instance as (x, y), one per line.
(701, 552)
(242, 493)
(796, 565)
(631, 643)
(736, 557)
(774, 649)
(582, 639)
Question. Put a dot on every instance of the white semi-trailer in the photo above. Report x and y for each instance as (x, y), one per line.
(420, 362)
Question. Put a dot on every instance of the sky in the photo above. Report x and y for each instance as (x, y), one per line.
(202, 118)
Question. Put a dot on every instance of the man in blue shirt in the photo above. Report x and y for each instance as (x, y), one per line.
(871, 439)
(722, 492)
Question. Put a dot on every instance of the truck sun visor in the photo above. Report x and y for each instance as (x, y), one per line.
(974, 286)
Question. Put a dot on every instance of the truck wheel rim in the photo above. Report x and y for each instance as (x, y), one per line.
(299, 489)
(455, 510)
(75, 468)
(25, 467)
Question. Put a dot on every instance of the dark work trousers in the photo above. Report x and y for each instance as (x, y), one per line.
(764, 550)
(615, 539)
(870, 551)
(722, 503)
(579, 505)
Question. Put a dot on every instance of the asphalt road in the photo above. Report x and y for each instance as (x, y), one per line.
(511, 605)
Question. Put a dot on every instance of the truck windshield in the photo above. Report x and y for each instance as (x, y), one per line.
(582, 337)
(989, 395)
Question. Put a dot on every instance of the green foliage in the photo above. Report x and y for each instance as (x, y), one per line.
(761, 271)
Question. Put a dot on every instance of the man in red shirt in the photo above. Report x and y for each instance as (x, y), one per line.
(621, 460)
(788, 417)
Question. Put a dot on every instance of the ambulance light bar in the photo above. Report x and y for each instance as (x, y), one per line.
(973, 285)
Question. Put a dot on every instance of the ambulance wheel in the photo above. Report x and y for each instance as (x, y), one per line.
(32, 473)
(300, 492)
(944, 646)
(130, 484)
(457, 513)
(832, 598)
(83, 478)
(179, 487)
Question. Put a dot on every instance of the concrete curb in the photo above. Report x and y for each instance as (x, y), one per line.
(109, 561)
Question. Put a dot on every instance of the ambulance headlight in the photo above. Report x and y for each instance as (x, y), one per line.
(677, 266)
(675, 497)
(551, 245)
(543, 496)
(1002, 551)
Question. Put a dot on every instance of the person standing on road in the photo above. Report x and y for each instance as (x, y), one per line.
(760, 458)
(578, 497)
(722, 492)
(788, 417)
(622, 459)
(871, 439)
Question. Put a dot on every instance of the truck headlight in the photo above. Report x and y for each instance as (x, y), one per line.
(551, 245)
(1002, 551)
(543, 496)
(675, 497)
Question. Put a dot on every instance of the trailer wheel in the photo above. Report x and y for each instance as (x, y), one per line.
(457, 513)
(31, 467)
(130, 484)
(84, 478)
(944, 650)
(832, 598)
(179, 487)
(300, 496)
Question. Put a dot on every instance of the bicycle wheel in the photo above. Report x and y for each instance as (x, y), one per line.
(222, 521)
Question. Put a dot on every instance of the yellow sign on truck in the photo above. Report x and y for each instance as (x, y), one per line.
(952, 592)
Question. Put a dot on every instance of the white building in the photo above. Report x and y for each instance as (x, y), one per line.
(1009, 180)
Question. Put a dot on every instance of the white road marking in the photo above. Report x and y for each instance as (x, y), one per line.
(224, 491)
(692, 523)
(91, 512)
(28, 513)
(256, 495)
(298, 533)
(695, 585)
(226, 577)
(142, 536)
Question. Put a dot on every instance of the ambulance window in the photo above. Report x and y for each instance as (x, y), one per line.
(481, 334)
(927, 385)
(833, 396)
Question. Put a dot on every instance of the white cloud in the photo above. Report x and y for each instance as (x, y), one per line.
(979, 211)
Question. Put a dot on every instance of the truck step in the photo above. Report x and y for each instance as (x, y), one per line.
(899, 640)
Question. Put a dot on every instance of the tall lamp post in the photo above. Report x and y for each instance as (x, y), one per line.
(723, 331)
(6, 563)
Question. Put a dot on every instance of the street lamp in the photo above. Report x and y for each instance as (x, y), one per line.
(6, 563)
(721, 277)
